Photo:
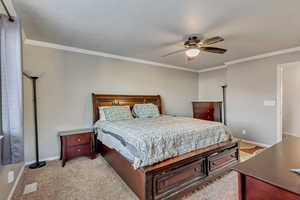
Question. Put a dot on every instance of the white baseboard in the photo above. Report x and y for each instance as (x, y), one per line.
(12, 191)
(44, 159)
(257, 143)
(288, 133)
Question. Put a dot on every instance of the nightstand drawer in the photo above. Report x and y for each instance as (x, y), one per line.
(79, 139)
(77, 143)
(80, 150)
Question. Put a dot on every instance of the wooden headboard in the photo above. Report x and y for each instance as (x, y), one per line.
(121, 100)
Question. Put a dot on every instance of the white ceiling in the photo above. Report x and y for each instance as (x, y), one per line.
(147, 29)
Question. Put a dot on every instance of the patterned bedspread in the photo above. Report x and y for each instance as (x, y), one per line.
(153, 140)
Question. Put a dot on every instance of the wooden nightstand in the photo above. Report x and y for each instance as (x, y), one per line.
(76, 143)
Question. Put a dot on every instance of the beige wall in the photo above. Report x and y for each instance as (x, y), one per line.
(291, 99)
(68, 79)
(210, 84)
(249, 85)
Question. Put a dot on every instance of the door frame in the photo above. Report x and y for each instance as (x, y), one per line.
(279, 98)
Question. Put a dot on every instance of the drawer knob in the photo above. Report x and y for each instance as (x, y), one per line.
(78, 150)
(213, 163)
(233, 155)
(78, 140)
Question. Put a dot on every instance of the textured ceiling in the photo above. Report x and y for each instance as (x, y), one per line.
(147, 29)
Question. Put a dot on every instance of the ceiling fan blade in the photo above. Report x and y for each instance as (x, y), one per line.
(212, 40)
(213, 50)
(174, 52)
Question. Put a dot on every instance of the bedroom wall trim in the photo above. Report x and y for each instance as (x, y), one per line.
(12, 191)
(288, 133)
(279, 100)
(257, 143)
(107, 55)
(102, 54)
(257, 57)
(212, 68)
(44, 159)
(265, 55)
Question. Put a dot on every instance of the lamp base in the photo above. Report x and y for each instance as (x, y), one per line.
(37, 165)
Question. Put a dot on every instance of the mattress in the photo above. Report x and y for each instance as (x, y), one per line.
(147, 141)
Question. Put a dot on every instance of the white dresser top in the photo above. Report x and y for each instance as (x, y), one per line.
(75, 131)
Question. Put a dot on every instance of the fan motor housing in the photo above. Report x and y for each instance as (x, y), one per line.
(192, 41)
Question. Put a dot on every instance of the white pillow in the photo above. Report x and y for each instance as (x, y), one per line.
(145, 110)
(115, 113)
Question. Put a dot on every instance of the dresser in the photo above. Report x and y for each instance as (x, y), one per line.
(77, 143)
(267, 176)
(208, 110)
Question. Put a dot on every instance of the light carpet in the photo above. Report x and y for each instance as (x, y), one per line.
(85, 179)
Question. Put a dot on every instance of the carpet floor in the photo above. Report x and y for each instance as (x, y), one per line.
(85, 179)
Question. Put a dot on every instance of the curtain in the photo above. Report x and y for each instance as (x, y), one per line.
(11, 91)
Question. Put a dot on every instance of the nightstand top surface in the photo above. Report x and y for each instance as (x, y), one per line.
(75, 131)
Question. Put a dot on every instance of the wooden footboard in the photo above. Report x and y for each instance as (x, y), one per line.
(174, 178)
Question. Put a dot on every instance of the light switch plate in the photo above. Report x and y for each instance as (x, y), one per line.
(30, 188)
(244, 132)
(269, 103)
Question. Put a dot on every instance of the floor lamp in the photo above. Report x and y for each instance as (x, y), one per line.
(38, 163)
(224, 86)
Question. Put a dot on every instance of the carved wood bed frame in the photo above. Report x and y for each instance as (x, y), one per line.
(172, 178)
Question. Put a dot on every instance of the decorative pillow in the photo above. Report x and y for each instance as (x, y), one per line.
(145, 110)
(114, 113)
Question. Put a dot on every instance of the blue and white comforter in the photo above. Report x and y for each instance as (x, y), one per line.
(147, 141)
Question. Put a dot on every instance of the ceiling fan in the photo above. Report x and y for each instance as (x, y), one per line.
(194, 45)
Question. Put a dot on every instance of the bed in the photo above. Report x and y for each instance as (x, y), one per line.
(175, 168)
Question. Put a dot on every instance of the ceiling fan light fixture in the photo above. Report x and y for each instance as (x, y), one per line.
(192, 52)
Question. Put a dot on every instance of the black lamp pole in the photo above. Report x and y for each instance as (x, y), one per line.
(38, 163)
(224, 102)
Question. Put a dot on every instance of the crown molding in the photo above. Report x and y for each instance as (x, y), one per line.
(265, 55)
(212, 68)
(102, 54)
(257, 57)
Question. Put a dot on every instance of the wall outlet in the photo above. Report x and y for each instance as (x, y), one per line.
(11, 176)
(244, 132)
